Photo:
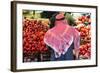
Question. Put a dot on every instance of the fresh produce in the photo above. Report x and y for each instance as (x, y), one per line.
(84, 27)
(84, 31)
(85, 51)
(85, 19)
(33, 34)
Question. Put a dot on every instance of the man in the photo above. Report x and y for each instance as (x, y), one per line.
(63, 39)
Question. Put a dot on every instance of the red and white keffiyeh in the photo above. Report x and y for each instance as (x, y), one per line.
(61, 36)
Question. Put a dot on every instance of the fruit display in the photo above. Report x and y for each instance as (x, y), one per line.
(85, 51)
(33, 34)
(84, 27)
(84, 19)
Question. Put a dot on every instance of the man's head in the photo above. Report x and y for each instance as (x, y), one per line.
(56, 17)
(60, 16)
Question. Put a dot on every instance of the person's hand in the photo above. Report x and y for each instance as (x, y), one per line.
(76, 53)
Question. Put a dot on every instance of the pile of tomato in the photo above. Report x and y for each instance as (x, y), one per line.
(84, 27)
(33, 34)
(85, 51)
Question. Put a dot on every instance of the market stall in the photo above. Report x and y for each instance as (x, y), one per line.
(35, 25)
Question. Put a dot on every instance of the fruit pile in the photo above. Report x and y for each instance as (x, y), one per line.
(85, 51)
(84, 20)
(33, 34)
(85, 33)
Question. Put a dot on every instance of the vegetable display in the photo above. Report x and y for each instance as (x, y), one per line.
(33, 34)
(84, 27)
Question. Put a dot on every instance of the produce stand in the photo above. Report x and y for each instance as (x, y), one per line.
(35, 27)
